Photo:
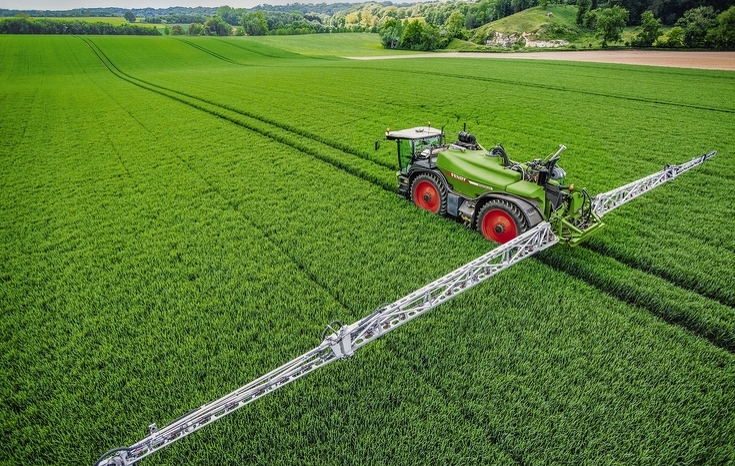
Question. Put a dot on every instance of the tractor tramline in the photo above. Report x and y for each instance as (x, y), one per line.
(527, 207)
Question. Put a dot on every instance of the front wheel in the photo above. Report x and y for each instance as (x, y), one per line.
(501, 221)
(429, 193)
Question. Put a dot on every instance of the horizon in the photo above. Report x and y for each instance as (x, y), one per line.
(56, 5)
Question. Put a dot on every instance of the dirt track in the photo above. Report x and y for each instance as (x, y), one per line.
(699, 60)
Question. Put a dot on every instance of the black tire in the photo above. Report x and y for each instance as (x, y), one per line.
(501, 221)
(429, 193)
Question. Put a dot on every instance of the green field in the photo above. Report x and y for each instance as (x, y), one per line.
(341, 45)
(116, 20)
(181, 215)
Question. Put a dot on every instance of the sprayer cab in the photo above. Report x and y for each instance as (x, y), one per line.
(415, 143)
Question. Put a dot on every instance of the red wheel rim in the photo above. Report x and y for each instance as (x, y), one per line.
(498, 226)
(426, 196)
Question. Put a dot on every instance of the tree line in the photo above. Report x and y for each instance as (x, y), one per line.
(428, 26)
(26, 25)
(110, 12)
(699, 27)
(239, 21)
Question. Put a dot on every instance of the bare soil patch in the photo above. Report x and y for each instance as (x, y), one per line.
(697, 60)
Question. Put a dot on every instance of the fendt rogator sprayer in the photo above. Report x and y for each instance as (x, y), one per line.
(525, 206)
(489, 191)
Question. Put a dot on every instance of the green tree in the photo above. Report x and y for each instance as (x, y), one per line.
(520, 5)
(471, 21)
(228, 14)
(166, 30)
(420, 35)
(195, 29)
(503, 8)
(650, 31)
(695, 23)
(610, 24)
(723, 35)
(590, 19)
(130, 16)
(675, 38)
(177, 30)
(240, 31)
(390, 33)
(455, 24)
(583, 6)
(255, 24)
(216, 26)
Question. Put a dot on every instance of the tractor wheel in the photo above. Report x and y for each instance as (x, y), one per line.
(501, 221)
(429, 193)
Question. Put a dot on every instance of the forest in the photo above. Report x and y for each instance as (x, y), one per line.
(415, 26)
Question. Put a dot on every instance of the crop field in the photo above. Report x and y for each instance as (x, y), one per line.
(179, 216)
(116, 20)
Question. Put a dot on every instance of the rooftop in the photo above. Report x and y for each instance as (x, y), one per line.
(419, 132)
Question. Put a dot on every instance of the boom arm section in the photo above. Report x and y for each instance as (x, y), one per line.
(611, 200)
(342, 342)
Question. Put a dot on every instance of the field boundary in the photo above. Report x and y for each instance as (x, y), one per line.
(722, 61)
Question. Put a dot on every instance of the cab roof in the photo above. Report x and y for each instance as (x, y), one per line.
(419, 132)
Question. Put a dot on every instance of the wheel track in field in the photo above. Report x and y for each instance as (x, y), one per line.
(491, 434)
(287, 139)
(592, 281)
(286, 127)
(561, 89)
(110, 141)
(234, 206)
(689, 285)
(659, 302)
(258, 52)
(208, 52)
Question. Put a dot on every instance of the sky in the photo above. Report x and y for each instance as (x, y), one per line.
(69, 4)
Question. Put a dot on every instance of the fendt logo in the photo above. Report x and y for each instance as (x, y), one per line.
(465, 180)
(460, 178)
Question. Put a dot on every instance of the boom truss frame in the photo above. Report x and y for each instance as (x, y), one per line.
(611, 200)
(340, 342)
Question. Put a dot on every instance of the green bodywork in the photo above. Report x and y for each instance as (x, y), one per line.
(472, 173)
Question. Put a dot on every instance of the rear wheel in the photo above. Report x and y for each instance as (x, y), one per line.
(501, 221)
(429, 193)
